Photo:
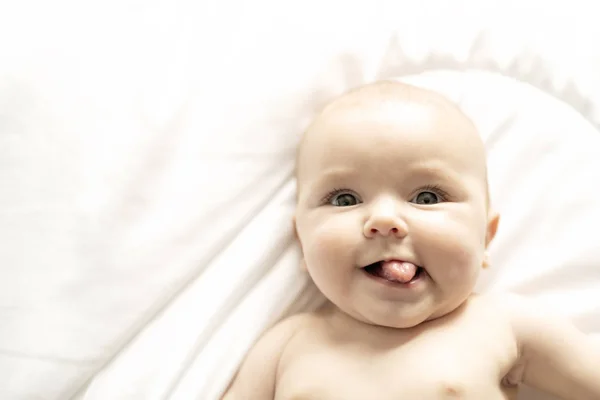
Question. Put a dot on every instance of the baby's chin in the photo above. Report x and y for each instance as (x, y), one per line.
(406, 317)
(397, 323)
(397, 319)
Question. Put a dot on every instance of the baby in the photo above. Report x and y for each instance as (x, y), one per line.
(394, 220)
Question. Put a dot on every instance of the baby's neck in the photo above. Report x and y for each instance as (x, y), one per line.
(345, 326)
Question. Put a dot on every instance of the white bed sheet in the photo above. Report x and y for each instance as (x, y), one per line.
(146, 157)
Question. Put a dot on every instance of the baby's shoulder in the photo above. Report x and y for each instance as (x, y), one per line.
(299, 321)
(502, 304)
(273, 342)
(491, 313)
(285, 329)
(280, 334)
(523, 316)
(511, 306)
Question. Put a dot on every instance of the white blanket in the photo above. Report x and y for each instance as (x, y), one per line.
(146, 157)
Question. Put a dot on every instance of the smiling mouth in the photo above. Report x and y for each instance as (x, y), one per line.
(398, 272)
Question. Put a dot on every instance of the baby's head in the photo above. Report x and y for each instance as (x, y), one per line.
(393, 214)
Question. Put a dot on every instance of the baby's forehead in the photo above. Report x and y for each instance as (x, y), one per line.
(392, 102)
(385, 95)
(388, 102)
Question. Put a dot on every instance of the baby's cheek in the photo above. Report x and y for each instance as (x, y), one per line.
(331, 242)
(328, 255)
(457, 247)
(329, 246)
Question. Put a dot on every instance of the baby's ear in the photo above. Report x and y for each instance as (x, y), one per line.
(492, 227)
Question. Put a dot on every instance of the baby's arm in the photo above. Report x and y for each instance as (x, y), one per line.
(256, 377)
(555, 357)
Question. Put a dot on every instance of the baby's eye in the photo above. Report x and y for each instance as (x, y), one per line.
(341, 198)
(344, 200)
(426, 198)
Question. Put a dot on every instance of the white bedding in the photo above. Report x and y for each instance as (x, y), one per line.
(146, 156)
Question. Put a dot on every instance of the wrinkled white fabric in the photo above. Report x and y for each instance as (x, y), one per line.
(146, 170)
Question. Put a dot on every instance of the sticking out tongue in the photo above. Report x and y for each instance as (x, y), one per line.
(398, 271)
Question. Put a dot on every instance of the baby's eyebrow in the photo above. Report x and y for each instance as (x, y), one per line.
(334, 174)
(428, 172)
(425, 170)
(432, 170)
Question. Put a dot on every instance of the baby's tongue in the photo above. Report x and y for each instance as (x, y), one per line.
(399, 271)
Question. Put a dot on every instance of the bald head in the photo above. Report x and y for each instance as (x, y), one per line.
(391, 104)
(385, 92)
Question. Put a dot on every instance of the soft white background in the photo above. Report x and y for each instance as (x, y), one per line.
(146, 157)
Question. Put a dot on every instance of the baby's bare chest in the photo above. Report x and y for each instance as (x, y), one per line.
(443, 365)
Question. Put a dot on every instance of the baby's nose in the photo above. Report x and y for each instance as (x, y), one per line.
(385, 225)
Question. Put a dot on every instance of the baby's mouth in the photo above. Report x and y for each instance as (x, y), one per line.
(395, 271)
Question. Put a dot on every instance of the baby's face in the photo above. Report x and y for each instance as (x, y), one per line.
(403, 182)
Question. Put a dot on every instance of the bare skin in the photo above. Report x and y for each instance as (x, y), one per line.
(394, 221)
